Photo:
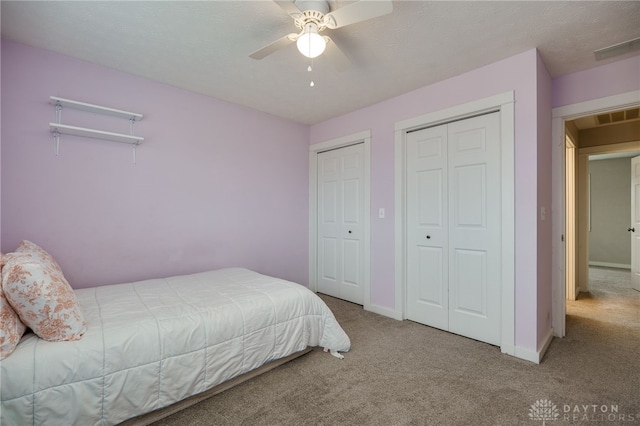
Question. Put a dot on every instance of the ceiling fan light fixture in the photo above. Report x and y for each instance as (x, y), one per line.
(310, 43)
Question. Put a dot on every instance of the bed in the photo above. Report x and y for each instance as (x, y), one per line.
(153, 343)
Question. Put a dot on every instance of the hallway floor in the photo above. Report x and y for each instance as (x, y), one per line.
(610, 299)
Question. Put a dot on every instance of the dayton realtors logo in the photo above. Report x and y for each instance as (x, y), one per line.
(545, 410)
(597, 413)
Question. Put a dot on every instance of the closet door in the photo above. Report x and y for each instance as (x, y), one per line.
(453, 227)
(474, 228)
(427, 227)
(340, 223)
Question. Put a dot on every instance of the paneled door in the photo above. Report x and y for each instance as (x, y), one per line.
(454, 228)
(635, 223)
(427, 228)
(340, 223)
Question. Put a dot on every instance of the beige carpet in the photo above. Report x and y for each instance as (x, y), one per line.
(403, 373)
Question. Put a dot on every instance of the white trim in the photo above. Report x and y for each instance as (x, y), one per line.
(360, 137)
(504, 104)
(341, 142)
(571, 161)
(583, 224)
(610, 265)
(535, 356)
(614, 147)
(558, 230)
(380, 310)
(597, 106)
(560, 115)
(400, 225)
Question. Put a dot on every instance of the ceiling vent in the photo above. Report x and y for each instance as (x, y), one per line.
(617, 49)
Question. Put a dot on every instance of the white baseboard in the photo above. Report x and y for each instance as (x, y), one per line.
(535, 356)
(610, 265)
(508, 349)
(383, 311)
(545, 346)
(517, 351)
(526, 354)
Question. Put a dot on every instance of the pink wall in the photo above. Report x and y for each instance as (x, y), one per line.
(517, 73)
(0, 156)
(544, 292)
(535, 94)
(599, 82)
(192, 202)
(216, 184)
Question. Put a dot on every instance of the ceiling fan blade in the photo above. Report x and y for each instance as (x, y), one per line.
(272, 47)
(288, 6)
(336, 56)
(357, 12)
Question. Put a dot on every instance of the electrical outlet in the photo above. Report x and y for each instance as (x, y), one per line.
(381, 213)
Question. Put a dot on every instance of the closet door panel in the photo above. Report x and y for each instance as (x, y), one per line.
(470, 272)
(329, 222)
(475, 232)
(340, 223)
(427, 250)
(453, 233)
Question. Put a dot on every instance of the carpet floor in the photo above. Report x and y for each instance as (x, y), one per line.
(404, 373)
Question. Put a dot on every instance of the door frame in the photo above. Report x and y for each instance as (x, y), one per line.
(634, 219)
(559, 116)
(363, 137)
(570, 224)
(503, 104)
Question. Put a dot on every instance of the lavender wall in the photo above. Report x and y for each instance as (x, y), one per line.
(599, 82)
(535, 94)
(216, 184)
(517, 73)
(193, 201)
(544, 290)
(0, 154)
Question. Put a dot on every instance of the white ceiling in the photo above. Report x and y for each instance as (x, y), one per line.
(204, 46)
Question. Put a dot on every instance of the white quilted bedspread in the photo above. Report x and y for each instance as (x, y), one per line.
(152, 343)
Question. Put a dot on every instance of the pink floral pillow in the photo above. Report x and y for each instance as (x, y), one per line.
(39, 254)
(11, 328)
(36, 289)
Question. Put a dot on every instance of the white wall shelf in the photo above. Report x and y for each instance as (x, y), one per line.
(58, 128)
(83, 106)
(65, 129)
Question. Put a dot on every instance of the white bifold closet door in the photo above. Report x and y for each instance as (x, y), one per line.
(340, 223)
(453, 227)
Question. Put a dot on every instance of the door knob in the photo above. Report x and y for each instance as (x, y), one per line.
(631, 229)
(428, 237)
(349, 231)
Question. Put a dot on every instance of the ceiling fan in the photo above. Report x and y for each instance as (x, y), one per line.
(312, 17)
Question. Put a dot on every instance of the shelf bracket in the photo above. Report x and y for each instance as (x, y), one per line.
(58, 112)
(135, 145)
(56, 134)
(56, 141)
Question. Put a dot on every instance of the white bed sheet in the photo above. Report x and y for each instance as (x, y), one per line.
(152, 343)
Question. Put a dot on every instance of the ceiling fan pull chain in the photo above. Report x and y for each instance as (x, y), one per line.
(310, 69)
